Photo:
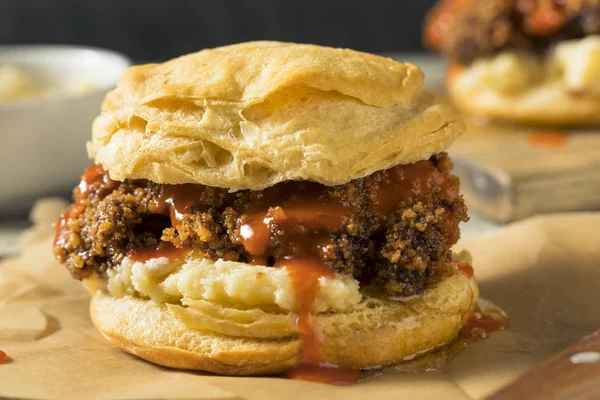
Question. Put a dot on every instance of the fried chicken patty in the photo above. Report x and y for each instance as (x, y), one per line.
(395, 231)
(487, 27)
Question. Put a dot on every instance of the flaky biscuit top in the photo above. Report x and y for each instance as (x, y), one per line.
(250, 115)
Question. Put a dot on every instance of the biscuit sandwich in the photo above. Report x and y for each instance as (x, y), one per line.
(263, 206)
(528, 61)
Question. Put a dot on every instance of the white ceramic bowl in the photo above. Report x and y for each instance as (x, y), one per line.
(42, 141)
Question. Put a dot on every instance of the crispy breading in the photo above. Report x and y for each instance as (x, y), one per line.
(400, 253)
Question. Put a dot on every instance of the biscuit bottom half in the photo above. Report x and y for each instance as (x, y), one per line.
(231, 339)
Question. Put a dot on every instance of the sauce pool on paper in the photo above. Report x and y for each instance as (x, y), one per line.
(552, 140)
(3, 357)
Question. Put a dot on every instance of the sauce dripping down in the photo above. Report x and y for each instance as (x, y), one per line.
(303, 217)
(305, 279)
(91, 178)
(304, 222)
(177, 200)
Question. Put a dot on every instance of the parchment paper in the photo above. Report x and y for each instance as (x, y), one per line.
(544, 272)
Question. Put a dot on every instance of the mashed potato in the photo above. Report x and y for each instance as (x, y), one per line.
(507, 72)
(18, 85)
(15, 84)
(574, 64)
(579, 62)
(223, 282)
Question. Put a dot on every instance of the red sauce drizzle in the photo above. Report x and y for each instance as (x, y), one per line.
(174, 201)
(90, 179)
(465, 269)
(306, 218)
(305, 276)
(177, 200)
(399, 184)
(3, 357)
(549, 139)
(479, 325)
(164, 249)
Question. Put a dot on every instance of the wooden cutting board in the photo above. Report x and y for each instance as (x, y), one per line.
(572, 374)
(508, 173)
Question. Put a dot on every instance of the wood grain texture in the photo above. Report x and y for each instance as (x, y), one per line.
(509, 173)
(559, 378)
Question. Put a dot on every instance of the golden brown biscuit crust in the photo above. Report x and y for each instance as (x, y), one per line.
(250, 115)
(377, 332)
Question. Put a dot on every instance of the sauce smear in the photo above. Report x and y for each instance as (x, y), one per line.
(90, 179)
(465, 269)
(177, 200)
(3, 357)
(440, 358)
(481, 325)
(401, 183)
(549, 139)
(164, 249)
(324, 373)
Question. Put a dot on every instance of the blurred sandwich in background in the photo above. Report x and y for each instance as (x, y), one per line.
(527, 74)
(528, 61)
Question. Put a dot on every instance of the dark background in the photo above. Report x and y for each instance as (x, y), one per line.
(161, 29)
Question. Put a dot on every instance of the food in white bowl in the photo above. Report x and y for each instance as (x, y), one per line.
(17, 85)
(49, 96)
